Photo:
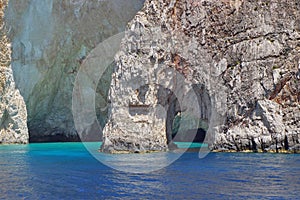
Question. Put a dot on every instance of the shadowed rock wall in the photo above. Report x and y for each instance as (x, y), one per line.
(50, 40)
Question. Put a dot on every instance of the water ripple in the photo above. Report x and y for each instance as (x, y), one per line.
(68, 171)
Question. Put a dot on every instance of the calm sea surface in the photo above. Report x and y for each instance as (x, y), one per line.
(69, 171)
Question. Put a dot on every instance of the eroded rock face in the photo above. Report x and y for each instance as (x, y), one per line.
(243, 54)
(50, 41)
(13, 114)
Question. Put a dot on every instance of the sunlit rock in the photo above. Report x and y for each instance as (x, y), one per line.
(13, 114)
(244, 56)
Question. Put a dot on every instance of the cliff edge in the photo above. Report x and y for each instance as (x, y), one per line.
(13, 114)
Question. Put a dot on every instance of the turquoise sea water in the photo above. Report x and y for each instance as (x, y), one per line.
(69, 171)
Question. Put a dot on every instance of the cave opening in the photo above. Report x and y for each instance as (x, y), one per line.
(182, 127)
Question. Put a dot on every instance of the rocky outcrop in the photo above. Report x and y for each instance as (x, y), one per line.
(50, 40)
(13, 114)
(228, 67)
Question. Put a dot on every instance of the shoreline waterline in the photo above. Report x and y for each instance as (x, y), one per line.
(182, 146)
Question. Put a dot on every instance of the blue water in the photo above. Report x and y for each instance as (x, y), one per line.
(69, 171)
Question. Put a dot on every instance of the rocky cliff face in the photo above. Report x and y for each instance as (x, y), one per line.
(229, 67)
(50, 40)
(13, 114)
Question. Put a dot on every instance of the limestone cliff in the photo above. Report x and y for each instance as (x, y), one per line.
(230, 67)
(226, 67)
(50, 40)
(13, 114)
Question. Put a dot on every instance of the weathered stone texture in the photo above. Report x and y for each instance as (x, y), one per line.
(13, 114)
(50, 41)
(244, 53)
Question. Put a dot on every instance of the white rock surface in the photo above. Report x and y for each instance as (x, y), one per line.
(50, 40)
(242, 53)
(13, 114)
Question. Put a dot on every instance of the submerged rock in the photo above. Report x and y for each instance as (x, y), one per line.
(232, 64)
(13, 114)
